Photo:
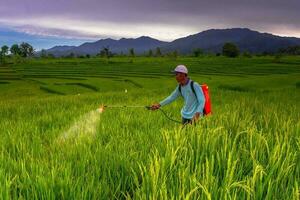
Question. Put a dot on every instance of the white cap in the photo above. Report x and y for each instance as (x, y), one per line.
(181, 69)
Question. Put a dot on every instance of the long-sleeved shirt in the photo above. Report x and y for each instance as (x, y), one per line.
(192, 104)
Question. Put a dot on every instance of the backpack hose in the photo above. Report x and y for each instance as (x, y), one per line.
(165, 114)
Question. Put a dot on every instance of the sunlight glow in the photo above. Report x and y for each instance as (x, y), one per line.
(100, 29)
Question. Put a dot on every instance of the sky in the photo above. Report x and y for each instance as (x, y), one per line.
(45, 23)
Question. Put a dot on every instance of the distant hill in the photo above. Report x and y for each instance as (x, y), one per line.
(140, 45)
(210, 41)
(246, 39)
(60, 49)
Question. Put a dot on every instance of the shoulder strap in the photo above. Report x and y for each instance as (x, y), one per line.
(193, 88)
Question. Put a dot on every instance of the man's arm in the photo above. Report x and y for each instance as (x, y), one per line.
(167, 100)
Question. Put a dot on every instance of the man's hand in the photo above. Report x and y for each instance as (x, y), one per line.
(196, 117)
(155, 106)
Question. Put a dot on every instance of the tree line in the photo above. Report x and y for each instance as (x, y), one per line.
(229, 49)
(23, 50)
(105, 52)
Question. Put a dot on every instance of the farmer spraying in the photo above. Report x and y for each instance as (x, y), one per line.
(192, 93)
(196, 99)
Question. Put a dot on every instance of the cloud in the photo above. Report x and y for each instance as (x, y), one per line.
(48, 26)
(162, 19)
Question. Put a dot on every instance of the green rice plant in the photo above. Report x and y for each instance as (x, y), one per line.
(234, 88)
(49, 90)
(298, 84)
(57, 146)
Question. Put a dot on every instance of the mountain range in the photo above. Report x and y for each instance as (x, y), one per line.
(209, 41)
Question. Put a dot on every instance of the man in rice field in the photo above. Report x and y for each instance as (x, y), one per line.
(192, 94)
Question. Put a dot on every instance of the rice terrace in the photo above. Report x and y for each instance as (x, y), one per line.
(55, 145)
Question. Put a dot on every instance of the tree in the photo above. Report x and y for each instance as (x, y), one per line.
(15, 49)
(43, 53)
(247, 54)
(230, 50)
(197, 52)
(4, 50)
(71, 55)
(2, 60)
(23, 49)
(175, 54)
(131, 52)
(105, 52)
(150, 53)
(158, 52)
(26, 50)
(31, 51)
(172, 55)
(3, 53)
(50, 55)
(291, 50)
(277, 58)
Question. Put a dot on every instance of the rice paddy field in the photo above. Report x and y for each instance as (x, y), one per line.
(55, 145)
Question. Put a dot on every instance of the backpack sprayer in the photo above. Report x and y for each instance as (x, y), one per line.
(101, 109)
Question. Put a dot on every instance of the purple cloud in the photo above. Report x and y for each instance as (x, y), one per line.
(172, 18)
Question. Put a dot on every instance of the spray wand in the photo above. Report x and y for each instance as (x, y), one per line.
(101, 109)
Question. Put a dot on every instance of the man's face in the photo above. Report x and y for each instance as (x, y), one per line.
(180, 77)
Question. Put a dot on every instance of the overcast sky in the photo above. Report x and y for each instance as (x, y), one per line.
(86, 20)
